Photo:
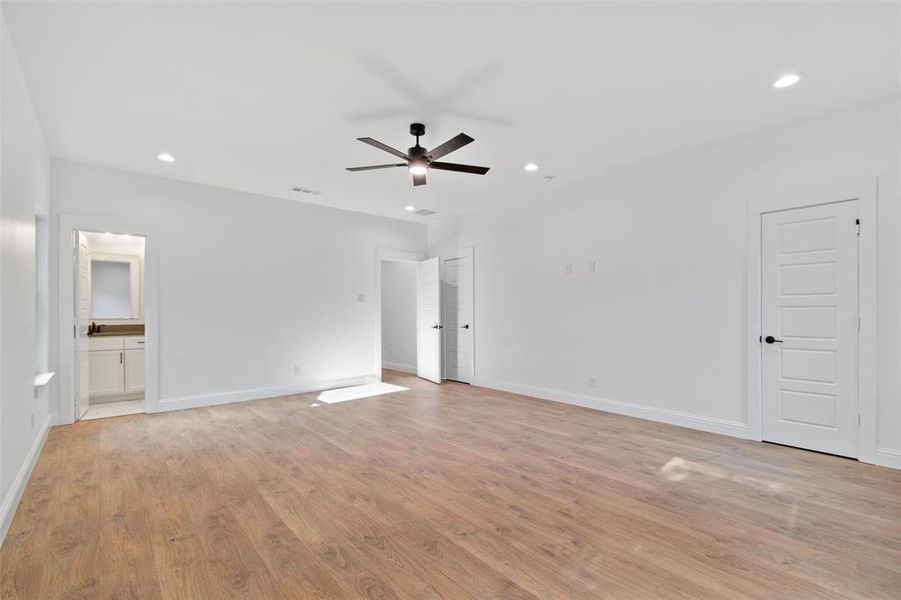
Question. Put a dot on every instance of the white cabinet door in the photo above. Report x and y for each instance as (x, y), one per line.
(809, 337)
(107, 374)
(428, 321)
(134, 371)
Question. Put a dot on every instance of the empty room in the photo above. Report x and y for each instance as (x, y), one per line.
(546, 300)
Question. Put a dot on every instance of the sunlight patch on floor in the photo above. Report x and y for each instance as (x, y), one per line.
(358, 391)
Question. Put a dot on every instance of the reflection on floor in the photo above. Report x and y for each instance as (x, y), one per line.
(114, 409)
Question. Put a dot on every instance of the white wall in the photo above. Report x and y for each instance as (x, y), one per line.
(249, 286)
(661, 323)
(24, 195)
(399, 315)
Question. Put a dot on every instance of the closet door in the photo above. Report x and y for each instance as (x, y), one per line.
(428, 321)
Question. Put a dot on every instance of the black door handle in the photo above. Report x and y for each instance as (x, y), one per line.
(437, 326)
(770, 339)
(464, 326)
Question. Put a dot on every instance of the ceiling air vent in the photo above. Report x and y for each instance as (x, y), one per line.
(424, 212)
(302, 190)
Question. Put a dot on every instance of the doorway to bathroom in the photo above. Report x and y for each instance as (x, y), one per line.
(109, 352)
(107, 334)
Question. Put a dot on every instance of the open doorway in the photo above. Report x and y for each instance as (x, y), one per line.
(110, 308)
(425, 315)
(399, 315)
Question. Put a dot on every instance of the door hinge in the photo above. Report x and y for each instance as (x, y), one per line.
(858, 419)
(858, 323)
(857, 222)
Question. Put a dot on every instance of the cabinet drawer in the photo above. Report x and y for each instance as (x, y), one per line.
(134, 343)
(105, 343)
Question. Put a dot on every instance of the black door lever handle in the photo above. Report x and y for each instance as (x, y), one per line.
(464, 326)
(770, 339)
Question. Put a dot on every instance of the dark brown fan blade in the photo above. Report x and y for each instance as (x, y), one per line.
(446, 166)
(376, 167)
(381, 146)
(419, 180)
(455, 143)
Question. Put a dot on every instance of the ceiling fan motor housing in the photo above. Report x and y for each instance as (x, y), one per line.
(419, 160)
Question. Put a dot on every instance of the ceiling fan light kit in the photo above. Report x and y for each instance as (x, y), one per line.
(419, 160)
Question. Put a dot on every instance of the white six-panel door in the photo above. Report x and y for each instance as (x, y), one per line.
(458, 307)
(810, 323)
(428, 320)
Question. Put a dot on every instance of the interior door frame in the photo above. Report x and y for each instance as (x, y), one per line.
(464, 252)
(865, 191)
(66, 309)
(394, 255)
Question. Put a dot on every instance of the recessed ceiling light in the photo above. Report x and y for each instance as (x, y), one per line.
(409, 208)
(787, 80)
(166, 157)
(531, 167)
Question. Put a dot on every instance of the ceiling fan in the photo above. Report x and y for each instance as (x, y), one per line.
(419, 160)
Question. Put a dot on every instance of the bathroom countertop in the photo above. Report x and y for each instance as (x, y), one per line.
(116, 334)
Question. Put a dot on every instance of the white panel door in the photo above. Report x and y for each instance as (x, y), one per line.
(810, 326)
(457, 295)
(82, 322)
(428, 320)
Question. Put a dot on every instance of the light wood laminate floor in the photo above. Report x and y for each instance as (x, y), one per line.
(450, 491)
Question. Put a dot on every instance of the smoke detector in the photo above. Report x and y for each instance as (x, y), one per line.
(424, 212)
(303, 190)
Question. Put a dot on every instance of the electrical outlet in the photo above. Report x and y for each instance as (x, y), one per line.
(568, 268)
(592, 381)
(390, 353)
(361, 298)
(592, 266)
(32, 420)
(296, 370)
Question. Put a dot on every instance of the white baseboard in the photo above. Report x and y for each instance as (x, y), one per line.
(887, 457)
(260, 393)
(660, 415)
(11, 501)
(399, 367)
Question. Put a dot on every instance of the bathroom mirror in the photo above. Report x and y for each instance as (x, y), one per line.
(115, 283)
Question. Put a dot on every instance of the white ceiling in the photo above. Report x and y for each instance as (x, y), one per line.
(265, 96)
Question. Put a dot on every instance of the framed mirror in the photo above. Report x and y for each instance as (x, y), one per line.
(115, 287)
